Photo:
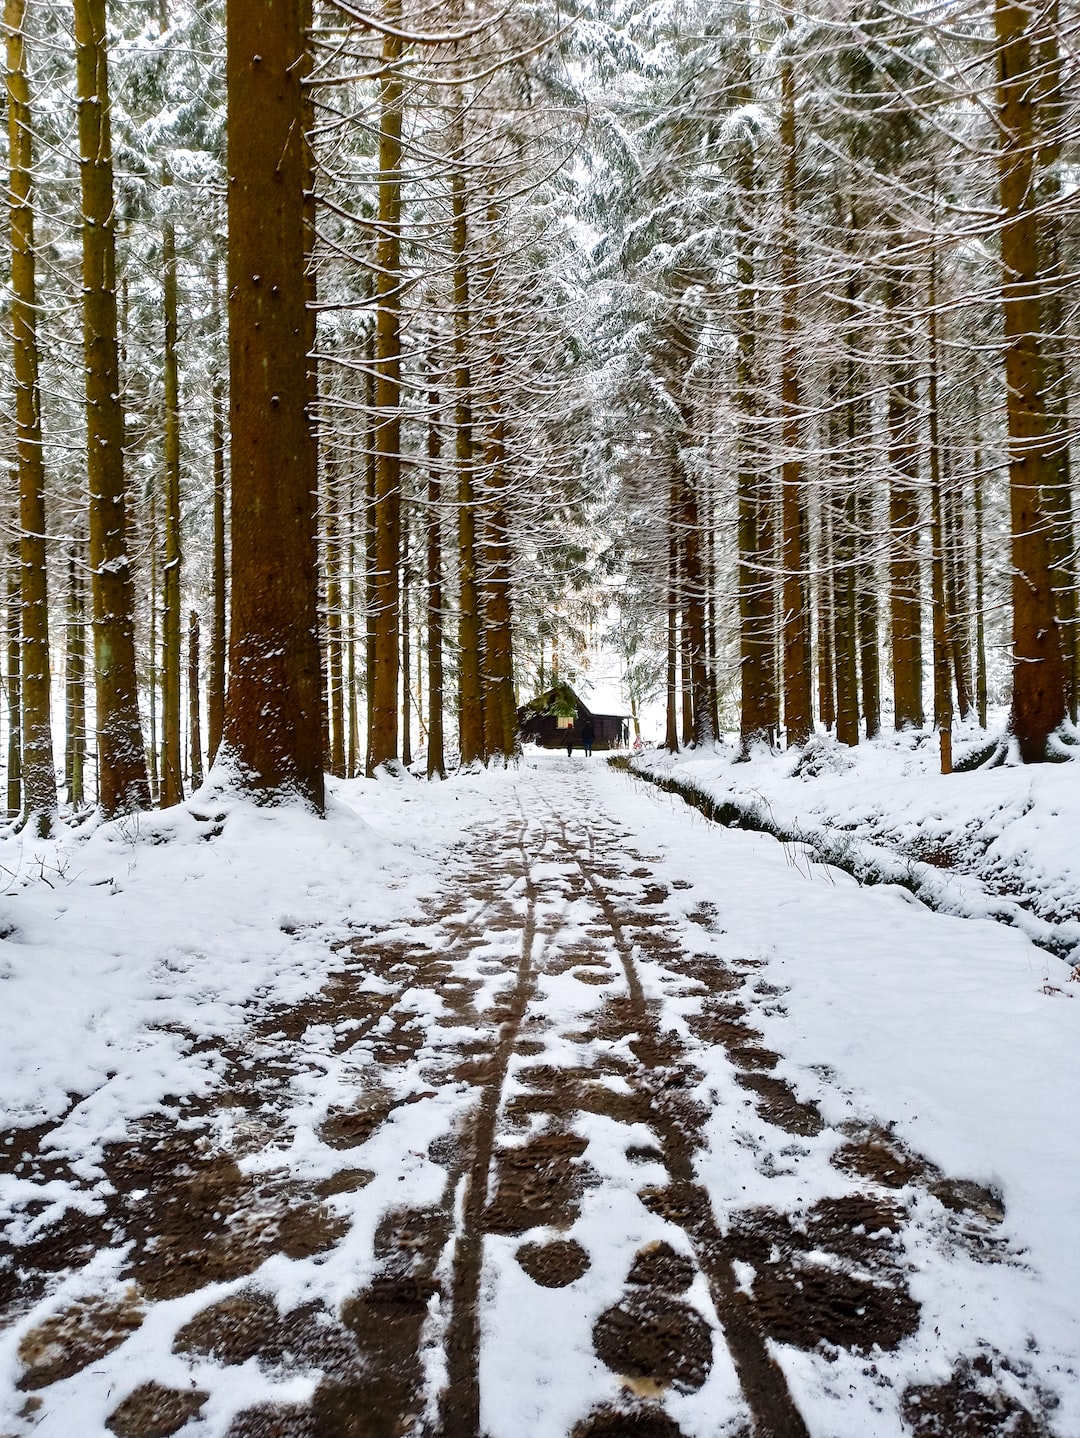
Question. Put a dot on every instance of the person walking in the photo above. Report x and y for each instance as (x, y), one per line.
(588, 735)
(570, 741)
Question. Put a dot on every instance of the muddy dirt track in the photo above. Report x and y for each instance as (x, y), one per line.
(504, 1223)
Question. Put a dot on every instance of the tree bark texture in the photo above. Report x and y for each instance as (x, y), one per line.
(384, 678)
(122, 778)
(1038, 704)
(172, 788)
(436, 760)
(798, 673)
(38, 771)
(272, 724)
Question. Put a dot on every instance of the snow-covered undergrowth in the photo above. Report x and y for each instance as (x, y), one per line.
(991, 843)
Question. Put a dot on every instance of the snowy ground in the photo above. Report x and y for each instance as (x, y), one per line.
(531, 1105)
(995, 842)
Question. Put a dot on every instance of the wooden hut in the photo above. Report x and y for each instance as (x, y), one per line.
(551, 718)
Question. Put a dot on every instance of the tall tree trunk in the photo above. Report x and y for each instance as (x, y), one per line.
(152, 652)
(273, 709)
(353, 763)
(943, 710)
(335, 657)
(383, 738)
(869, 647)
(905, 585)
(1054, 101)
(957, 605)
(696, 672)
(981, 694)
(75, 686)
(798, 680)
(406, 644)
(172, 789)
(38, 770)
(14, 686)
(123, 783)
(194, 705)
(1038, 704)
(470, 685)
(215, 685)
(500, 719)
(671, 729)
(370, 559)
(825, 617)
(436, 760)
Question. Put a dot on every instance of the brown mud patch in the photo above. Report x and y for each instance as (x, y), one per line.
(642, 1423)
(778, 1104)
(69, 1341)
(554, 1265)
(660, 1266)
(154, 1411)
(972, 1404)
(829, 1275)
(537, 1184)
(656, 1338)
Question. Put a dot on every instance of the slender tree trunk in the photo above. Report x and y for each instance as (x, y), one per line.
(273, 728)
(75, 686)
(335, 657)
(122, 777)
(194, 706)
(943, 710)
(152, 651)
(981, 691)
(215, 686)
(695, 670)
(685, 690)
(383, 738)
(671, 734)
(957, 588)
(370, 559)
(38, 769)
(500, 718)
(172, 789)
(1038, 705)
(14, 687)
(470, 686)
(905, 587)
(354, 595)
(406, 644)
(798, 702)
(825, 614)
(869, 647)
(436, 760)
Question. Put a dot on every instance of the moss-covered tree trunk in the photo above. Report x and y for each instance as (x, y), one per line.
(272, 729)
(122, 779)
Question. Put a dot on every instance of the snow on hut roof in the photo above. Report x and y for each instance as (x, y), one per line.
(603, 699)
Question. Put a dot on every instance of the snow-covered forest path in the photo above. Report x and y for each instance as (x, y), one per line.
(553, 1155)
